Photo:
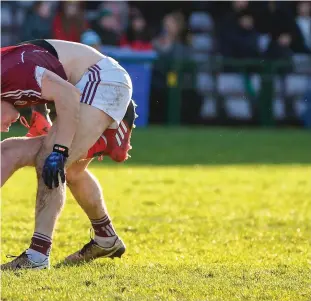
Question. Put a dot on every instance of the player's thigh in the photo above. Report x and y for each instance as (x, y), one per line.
(108, 106)
(113, 99)
(17, 153)
(21, 151)
(92, 123)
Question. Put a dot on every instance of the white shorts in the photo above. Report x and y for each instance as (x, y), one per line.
(108, 87)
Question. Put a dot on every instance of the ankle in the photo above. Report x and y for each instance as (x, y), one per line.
(40, 243)
(36, 256)
(105, 235)
(106, 242)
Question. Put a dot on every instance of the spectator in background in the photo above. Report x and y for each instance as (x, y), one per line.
(38, 22)
(173, 38)
(303, 21)
(275, 18)
(69, 23)
(171, 46)
(137, 36)
(237, 37)
(240, 6)
(91, 38)
(108, 28)
(120, 10)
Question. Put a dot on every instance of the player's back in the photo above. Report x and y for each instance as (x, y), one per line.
(76, 58)
(26, 54)
(20, 73)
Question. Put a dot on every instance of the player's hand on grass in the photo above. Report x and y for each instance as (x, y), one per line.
(54, 167)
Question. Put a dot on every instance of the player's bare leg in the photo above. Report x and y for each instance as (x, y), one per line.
(20, 152)
(92, 124)
(87, 191)
(17, 153)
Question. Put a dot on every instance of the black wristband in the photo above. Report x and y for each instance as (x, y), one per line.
(61, 149)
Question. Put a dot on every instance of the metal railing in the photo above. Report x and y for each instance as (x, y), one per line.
(267, 70)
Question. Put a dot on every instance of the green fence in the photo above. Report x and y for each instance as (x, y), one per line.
(267, 70)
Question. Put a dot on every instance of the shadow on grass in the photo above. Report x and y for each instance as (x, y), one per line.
(213, 146)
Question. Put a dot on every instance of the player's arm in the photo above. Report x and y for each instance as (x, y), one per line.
(67, 103)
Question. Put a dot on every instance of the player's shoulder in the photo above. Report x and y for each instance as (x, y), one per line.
(16, 74)
(7, 49)
(11, 51)
(11, 57)
(16, 67)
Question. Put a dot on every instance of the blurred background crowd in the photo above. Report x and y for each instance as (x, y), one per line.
(215, 59)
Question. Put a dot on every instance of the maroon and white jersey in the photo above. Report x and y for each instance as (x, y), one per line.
(22, 68)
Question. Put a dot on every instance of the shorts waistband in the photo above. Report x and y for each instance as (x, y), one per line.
(109, 64)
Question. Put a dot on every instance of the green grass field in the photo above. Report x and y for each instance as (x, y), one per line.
(206, 213)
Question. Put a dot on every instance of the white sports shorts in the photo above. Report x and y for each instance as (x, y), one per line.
(108, 87)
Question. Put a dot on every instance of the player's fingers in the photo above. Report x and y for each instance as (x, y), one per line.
(50, 179)
(55, 178)
(47, 178)
(62, 175)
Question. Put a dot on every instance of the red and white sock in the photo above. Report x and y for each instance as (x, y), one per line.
(105, 234)
(40, 247)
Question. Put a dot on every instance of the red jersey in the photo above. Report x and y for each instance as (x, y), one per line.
(22, 67)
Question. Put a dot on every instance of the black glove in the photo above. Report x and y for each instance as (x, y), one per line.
(54, 166)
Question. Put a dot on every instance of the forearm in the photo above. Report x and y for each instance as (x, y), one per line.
(66, 98)
(67, 119)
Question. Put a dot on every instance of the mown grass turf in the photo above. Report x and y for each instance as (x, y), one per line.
(207, 214)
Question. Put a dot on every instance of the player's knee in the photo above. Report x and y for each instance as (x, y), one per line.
(70, 177)
(73, 175)
(76, 171)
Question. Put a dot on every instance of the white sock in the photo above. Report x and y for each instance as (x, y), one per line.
(105, 242)
(36, 256)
